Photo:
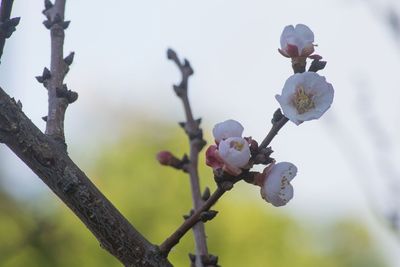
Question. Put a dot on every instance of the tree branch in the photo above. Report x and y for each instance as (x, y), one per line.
(43, 155)
(196, 217)
(58, 93)
(7, 25)
(276, 126)
(225, 183)
(196, 141)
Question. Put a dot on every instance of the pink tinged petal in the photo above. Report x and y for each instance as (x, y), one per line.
(283, 53)
(226, 129)
(297, 41)
(292, 50)
(307, 50)
(213, 158)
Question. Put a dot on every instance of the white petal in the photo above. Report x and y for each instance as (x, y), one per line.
(230, 153)
(288, 31)
(305, 32)
(277, 189)
(313, 84)
(226, 129)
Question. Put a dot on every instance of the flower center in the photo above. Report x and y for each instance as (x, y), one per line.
(303, 101)
(237, 145)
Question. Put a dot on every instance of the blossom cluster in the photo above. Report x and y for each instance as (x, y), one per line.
(305, 96)
(231, 153)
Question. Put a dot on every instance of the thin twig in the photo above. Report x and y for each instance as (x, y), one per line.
(273, 132)
(172, 240)
(5, 9)
(195, 136)
(59, 95)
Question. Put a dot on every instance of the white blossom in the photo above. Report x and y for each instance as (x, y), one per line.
(226, 129)
(277, 189)
(234, 151)
(305, 96)
(297, 41)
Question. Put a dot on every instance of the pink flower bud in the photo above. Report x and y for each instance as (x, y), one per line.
(297, 41)
(165, 157)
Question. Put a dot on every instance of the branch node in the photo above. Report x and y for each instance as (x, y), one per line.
(65, 24)
(226, 185)
(45, 76)
(69, 95)
(47, 5)
(182, 124)
(44, 118)
(277, 116)
(171, 54)
(317, 65)
(206, 194)
(185, 69)
(47, 23)
(208, 215)
(8, 26)
(57, 19)
(19, 104)
(211, 260)
(187, 216)
(69, 59)
(192, 258)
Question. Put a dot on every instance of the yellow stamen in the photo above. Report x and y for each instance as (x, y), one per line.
(237, 145)
(303, 101)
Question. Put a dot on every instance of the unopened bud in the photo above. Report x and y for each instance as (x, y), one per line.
(165, 157)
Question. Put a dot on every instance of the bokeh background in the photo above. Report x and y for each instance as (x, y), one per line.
(347, 193)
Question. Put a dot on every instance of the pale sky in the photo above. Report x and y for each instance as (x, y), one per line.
(120, 66)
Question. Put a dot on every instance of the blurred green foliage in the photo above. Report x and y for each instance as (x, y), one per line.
(246, 232)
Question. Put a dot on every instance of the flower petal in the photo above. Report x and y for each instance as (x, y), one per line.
(226, 129)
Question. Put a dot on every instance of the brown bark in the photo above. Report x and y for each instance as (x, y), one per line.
(49, 160)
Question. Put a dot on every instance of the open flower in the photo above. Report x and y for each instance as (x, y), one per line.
(231, 155)
(305, 96)
(226, 129)
(234, 151)
(276, 188)
(297, 41)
